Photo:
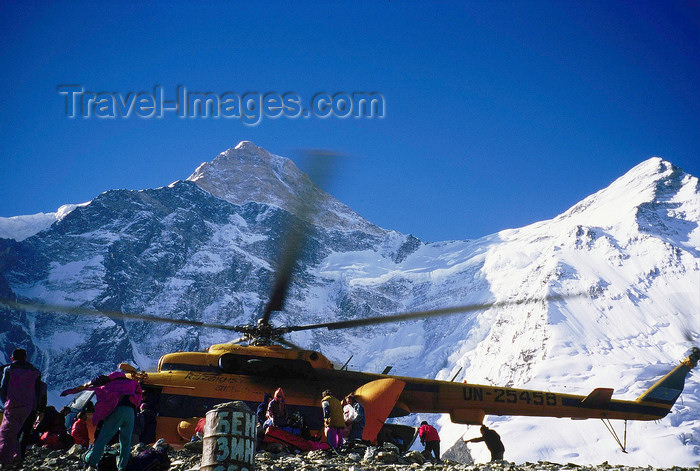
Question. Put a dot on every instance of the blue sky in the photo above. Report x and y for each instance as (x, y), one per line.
(497, 113)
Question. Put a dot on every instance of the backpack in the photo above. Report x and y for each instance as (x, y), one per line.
(108, 462)
(151, 459)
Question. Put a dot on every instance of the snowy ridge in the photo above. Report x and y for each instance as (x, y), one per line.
(643, 291)
(20, 227)
(201, 249)
(643, 200)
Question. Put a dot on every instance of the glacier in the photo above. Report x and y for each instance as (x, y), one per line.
(205, 248)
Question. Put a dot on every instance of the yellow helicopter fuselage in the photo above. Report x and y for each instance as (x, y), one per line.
(188, 384)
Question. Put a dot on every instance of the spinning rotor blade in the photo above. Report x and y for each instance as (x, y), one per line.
(290, 253)
(427, 314)
(52, 308)
(297, 233)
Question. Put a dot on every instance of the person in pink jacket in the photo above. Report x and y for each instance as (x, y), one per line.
(20, 389)
(118, 399)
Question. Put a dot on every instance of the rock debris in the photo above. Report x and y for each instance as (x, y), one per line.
(360, 458)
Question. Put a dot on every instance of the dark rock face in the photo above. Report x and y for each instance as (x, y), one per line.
(175, 252)
(249, 173)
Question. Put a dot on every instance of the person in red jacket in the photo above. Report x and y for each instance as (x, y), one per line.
(430, 438)
(79, 430)
(277, 410)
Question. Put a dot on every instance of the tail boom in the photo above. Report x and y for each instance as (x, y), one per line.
(665, 392)
(469, 403)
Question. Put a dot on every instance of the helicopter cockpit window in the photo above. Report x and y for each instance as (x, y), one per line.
(230, 363)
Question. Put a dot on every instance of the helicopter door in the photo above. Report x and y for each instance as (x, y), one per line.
(78, 404)
(81, 401)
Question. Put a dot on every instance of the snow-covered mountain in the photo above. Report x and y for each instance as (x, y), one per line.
(206, 248)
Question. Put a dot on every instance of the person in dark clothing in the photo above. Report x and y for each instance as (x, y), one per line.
(28, 435)
(493, 442)
(146, 422)
(357, 425)
(430, 438)
(298, 425)
(262, 408)
(20, 389)
(261, 413)
(52, 428)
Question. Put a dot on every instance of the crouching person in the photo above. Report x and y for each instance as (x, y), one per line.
(52, 428)
(430, 438)
(79, 430)
(117, 401)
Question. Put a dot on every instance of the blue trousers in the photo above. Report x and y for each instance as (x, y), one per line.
(120, 420)
(356, 431)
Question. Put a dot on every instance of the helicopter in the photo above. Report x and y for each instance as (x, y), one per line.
(185, 385)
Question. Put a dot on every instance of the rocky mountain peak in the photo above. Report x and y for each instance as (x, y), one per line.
(248, 173)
